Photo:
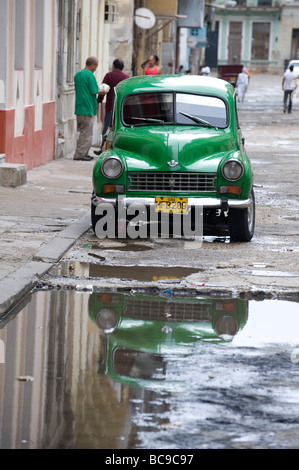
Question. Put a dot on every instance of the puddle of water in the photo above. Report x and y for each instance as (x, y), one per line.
(110, 370)
(94, 270)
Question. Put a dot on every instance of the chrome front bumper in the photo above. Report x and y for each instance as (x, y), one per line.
(205, 202)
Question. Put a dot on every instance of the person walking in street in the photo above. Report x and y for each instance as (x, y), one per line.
(86, 90)
(242, 84)
(152, 68)
(289, 84)
(111, 79)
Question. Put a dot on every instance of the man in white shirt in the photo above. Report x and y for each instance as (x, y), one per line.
(289, 83)
(205, 70)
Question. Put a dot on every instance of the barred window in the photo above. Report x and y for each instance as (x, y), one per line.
(110, 12)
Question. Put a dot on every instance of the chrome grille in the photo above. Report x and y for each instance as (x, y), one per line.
(151, 310)
(171, 182)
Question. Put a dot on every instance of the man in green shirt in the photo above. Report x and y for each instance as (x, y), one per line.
(86, 89)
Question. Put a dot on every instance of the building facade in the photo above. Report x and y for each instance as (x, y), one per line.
(261, 34)
(44, 43)
(27, 88)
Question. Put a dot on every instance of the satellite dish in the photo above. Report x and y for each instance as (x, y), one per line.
(144, 18)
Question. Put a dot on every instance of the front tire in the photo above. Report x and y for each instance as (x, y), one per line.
(242, 222)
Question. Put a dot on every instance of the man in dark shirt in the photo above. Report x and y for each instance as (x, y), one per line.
(112, 79)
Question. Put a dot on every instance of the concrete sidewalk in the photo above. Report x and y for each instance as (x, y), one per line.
(39, 222)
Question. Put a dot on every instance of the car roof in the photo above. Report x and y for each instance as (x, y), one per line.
(187, 83)
(294, 62)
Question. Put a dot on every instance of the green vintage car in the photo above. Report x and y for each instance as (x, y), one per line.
(175, 148)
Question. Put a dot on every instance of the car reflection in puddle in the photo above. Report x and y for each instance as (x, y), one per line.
(140, 332)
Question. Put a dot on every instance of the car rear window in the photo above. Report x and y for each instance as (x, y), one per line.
(174, 108)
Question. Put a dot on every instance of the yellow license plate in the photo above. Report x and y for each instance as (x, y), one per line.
(173, 205)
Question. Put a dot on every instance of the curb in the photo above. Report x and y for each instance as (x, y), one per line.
(17, 284)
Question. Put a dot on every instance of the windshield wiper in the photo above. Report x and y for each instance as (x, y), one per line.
(197, 119)
(159, 121)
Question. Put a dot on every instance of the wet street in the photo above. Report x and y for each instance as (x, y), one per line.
(167, 343)
(112, 370)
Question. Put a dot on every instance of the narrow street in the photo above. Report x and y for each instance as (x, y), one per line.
(162, 343)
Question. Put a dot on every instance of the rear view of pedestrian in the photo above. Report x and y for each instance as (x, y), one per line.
(289, 84)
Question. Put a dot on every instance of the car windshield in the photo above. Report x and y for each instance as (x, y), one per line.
(174, 108)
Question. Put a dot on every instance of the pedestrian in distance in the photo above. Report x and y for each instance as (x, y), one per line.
(86, 90)
(111, 79)
(180, 71)
(205, 70)
(289, 84)
(242, 85)
(152, 68)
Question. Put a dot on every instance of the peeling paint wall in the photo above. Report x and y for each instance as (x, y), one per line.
(27, 102)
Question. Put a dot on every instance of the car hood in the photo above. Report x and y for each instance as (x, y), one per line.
(190, 148)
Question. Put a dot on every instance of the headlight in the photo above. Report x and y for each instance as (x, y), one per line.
(106, 320)
(232, 170)
(112, 167)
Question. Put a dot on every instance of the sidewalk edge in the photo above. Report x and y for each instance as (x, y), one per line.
(17, 284)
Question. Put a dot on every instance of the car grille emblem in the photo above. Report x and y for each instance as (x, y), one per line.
(172, 163)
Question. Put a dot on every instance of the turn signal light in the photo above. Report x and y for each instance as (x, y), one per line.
(230, 190)
(113, 188)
